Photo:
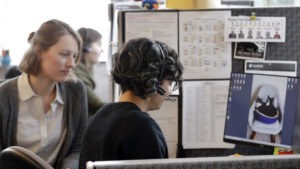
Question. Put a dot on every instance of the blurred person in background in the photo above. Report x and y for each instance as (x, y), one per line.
(91, 51)
(12, 72)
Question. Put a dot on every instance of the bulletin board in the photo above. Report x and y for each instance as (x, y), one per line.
(287, 51)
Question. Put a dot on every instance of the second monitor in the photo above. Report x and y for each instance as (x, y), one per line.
(261, 109)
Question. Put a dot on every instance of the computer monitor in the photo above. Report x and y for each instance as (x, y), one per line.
(261, 110)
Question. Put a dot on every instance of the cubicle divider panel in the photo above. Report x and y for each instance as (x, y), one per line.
(284, 51)
(242, 162)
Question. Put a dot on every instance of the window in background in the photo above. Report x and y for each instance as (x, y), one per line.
(237, 2)
(270, 3)
(19, 18)
(260, 3)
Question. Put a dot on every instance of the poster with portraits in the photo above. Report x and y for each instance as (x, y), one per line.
(258, 29)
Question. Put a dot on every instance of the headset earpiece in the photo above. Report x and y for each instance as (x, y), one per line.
(160, 90)
(85, 48)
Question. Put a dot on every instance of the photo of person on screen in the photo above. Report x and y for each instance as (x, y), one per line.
(268, 35)
(232, 35)
(241, 35)
(258, 35)
(276, 36)
(250, 34)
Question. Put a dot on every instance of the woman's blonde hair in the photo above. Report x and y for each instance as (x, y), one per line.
(46, 36)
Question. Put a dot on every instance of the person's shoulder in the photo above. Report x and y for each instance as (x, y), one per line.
(74, 86)
(12, 72)
(9, 83)
(143, 118)
(122, 108)
(9, 88)
(73, 83)
(146, 124)
(81, 67)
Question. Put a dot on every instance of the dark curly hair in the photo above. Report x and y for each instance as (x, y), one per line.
(142, 64)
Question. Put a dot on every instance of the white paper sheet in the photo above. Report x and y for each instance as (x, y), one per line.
(162, 26)
(203, 115)
(203, 51)
(167, 119)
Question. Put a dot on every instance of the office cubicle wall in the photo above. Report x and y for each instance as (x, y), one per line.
(232, 162)
(287, 51)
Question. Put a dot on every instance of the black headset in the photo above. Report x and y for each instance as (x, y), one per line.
(160, 90)
(85, 46)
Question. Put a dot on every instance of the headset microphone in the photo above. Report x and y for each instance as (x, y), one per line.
(162, 92)
(86, 49)
(169, 98)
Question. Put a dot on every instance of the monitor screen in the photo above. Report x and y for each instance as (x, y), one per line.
(261, 109)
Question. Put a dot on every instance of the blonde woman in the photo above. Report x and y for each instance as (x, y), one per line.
(44, 110)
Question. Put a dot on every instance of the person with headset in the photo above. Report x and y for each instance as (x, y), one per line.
(91, 51)
(145, 71)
